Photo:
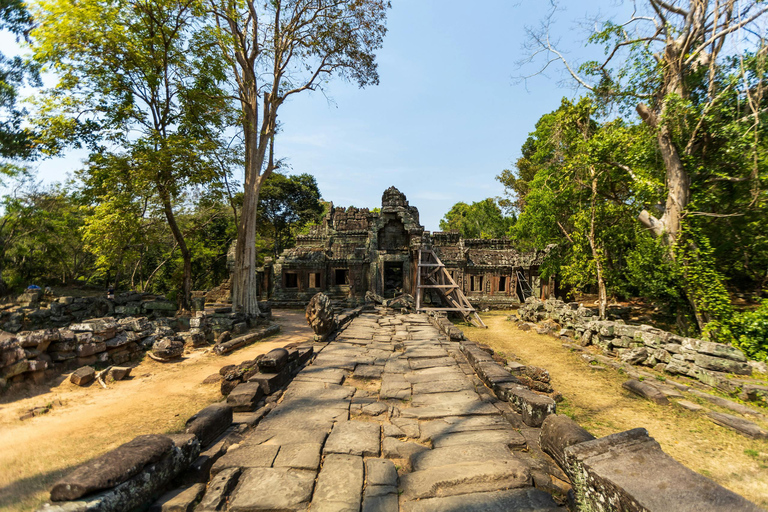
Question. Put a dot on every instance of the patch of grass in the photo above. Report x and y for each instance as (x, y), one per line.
(661, 378)
(752, 453)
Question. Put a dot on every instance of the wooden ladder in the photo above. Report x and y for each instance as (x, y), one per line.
(431, 274)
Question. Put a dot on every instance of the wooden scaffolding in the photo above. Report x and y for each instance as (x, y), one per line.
(432, 275)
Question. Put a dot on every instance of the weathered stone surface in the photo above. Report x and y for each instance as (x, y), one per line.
(434, 374)
(440, 362)
(112, 468)
(559, 432)
(409, 426)
(394, 385)
(210, 422)
(720, 364)
(319, 374)
(119, 373)
(445, 398)
(465, 478)
(354, 438)
(299, 456)
(367, 371)
(645, 390)
(441, 427)
(320, 315)
(740, 425)
(380, 472)
(391, 448)
(629, 471)
(685, 404)
(246, 456)
(532, 406)
(273, 361)
(183, 499)
(380, 502)
(83, 376)
(518, 500)
(339, 484)
(460, 454)
(510, 438)
(271, 489)
(443, 386)
(218, 490)
(165, 348)
(245, 396)
(431, 412)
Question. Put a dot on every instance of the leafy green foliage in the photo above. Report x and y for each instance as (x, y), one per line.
(481, 219)
(750, 332)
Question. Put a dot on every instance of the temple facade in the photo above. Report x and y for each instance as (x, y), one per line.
(356, 251)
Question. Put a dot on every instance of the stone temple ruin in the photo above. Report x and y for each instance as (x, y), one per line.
(356, 251)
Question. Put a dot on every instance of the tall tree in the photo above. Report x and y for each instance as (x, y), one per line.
(137, 75)
(679, 63)
(276, 49)
(14, 72)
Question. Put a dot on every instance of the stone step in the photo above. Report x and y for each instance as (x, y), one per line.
(465, 478)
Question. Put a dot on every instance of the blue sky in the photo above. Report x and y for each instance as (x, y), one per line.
(447, 117)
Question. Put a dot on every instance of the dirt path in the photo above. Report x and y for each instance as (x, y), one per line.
(596, 400)
(157, 399)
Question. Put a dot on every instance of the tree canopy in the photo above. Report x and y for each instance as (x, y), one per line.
(481, 219)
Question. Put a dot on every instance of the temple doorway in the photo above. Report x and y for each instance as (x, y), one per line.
(393, 279)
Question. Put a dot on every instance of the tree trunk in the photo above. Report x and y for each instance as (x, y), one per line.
(602, 295)
(186, 283)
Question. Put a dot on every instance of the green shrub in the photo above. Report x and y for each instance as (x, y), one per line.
(750, 332)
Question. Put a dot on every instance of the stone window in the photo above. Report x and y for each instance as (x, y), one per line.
(291, 280)
(342, 276)
(503, 283)
(476, 283)
(314, 279)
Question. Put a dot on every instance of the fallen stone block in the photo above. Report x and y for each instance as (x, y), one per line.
(273, 361)
(167, 349)
(740, 425)
(628, 471)
(83, 376)
(244, 396)
(118, 373)
(647, 391)
(246, 339)
(209, 423)
(270, 382)
(533, 407)
(558, 432)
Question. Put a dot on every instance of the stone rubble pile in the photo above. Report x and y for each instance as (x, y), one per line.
(705, 361)
(41, 354)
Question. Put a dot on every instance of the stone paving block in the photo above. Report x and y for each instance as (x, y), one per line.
(532, 406)
(477, 452)
(393, 385)
(381, 503)
(444, 398)
(391, 448)
(389, 430)
(409, 426)
(329, 375)
(434, 374)
(422, 353)
(179, 500)
(443, 386)
(380, 472)
(245, 396)
(299, 456)
(511, 438)
(271, 489)
(430, 429)
(438, 362)
(354, 438)
(339, 484)
(396, 364)
(246, 456)
(465, 478)
(517, 500)
(441, 411)
(368, 372)
(218, 490)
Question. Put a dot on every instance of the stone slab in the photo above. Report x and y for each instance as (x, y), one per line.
(329, 375)
(270, 489)
(739, 425)
(391, 448)
(246, 456)
(210, 422)
(647, 391)
(218, 490)
(517, 500)
(444, 410)
(394, 386)
(112, 468)
(380, 472)
(299, 456)
(511, 438)
(435, 428)
(477, 452)
(339, 484)
(368, 372)
(179, 500)
(354, 438)
(630, 471)
(381, 503)
(444, 398)
(465, 478)
(443, 386)
(434, 374)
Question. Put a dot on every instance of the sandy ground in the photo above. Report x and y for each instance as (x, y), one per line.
(596, 400)
(158, 398)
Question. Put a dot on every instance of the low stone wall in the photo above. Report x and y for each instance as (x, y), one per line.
(708, 362)
(44, 353)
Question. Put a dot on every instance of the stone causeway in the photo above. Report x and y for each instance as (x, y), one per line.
(389, 416)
